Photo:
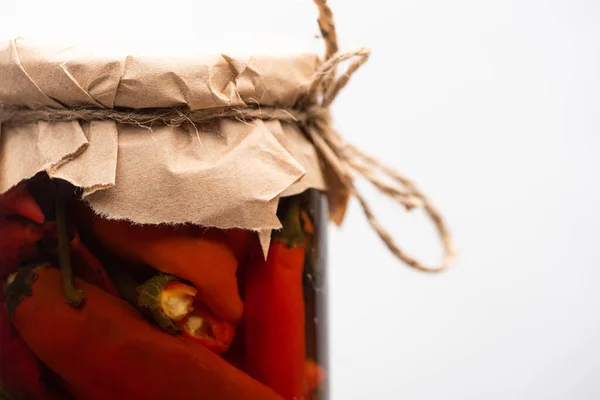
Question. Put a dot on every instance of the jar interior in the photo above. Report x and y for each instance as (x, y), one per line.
(213, 290)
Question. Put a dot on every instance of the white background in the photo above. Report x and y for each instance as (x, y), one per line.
(493, 107)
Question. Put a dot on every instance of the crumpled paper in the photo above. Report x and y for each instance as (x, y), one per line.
(224, 174)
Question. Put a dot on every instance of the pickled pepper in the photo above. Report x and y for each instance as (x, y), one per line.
(18, 201)
(105, 350)
(274, 310)
(208, 263)
(18, 240)
(20, 229)
(20, 370)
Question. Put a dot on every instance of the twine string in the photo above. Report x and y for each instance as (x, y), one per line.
(312, 114)
(402, 190)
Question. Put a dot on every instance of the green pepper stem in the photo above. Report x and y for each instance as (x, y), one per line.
(149, 294)
(73, 295)
(291, 233)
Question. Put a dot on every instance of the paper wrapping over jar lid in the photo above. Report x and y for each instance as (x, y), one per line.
(225, 173)
(211, 140)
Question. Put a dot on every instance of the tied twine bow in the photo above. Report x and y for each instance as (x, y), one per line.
(312, 114)
(345, 158)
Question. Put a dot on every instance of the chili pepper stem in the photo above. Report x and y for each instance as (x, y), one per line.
(73, 295)
(167, 299)
(291, 233)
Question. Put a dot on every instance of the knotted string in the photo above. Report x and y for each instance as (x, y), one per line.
(312, 114)
(345, 159)
(330, 143)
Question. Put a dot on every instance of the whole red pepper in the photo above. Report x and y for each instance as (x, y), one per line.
(202, 259)
(18, 243)
(18, 201)
(20, 219)
(20, 216)
(274, 310)
(20, 370)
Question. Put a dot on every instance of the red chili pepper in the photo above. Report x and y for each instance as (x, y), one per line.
(18, 201)
(240, 241)
(20, 370)
(236, 354)
(170, 303)
(17, 244)
(204, 327)
(207, 263)
(274, 310)
(105, 350)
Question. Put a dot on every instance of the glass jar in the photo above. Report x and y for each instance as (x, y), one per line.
(99, 308)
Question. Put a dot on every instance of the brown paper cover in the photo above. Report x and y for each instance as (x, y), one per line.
(225, 174)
